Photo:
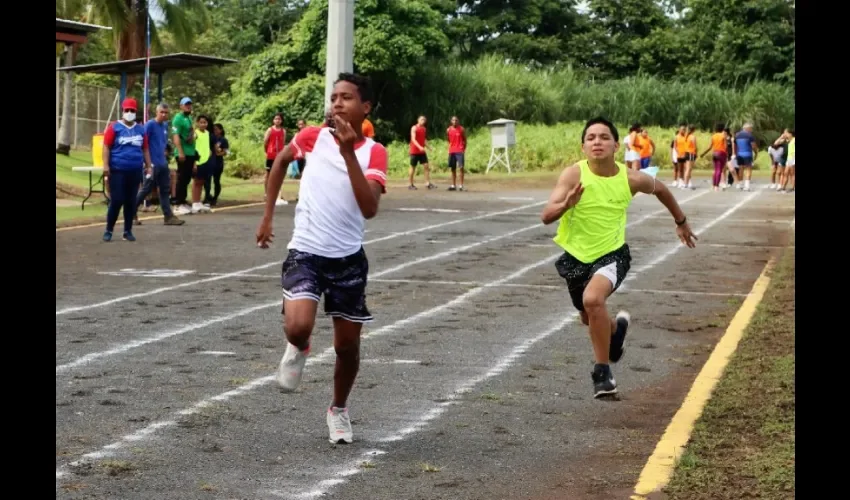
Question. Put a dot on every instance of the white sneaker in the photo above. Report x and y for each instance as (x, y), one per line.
(339, 425)
(291, 367)
(182, 210)
(280, 202)
(199, 207)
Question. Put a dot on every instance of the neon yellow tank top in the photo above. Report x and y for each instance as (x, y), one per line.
(202, 146)
(597, 225)
(792, 147)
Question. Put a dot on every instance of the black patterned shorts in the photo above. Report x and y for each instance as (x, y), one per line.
(614, 265)
(342, 281)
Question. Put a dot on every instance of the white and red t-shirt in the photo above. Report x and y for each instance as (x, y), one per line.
(457, 143)
(328, 221)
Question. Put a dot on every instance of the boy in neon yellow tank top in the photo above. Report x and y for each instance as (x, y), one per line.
(590, 200)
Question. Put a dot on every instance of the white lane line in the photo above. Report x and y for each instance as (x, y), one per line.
(688, 292)
(423, 209)
(235, 274)
(741, 221)
(500, 367)
(381, 361)
(517, 285)
(217, 353)
(127, 346)
(148, 431)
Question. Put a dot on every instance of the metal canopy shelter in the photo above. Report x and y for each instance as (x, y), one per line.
(158, 65)
(75, 32)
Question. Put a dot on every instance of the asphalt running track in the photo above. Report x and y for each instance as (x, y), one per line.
(475, 376)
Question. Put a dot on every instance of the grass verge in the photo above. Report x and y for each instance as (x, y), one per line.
(72, 186)
(744, 440)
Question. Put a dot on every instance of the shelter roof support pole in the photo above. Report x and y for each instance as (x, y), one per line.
(57, 98)
(123, 92)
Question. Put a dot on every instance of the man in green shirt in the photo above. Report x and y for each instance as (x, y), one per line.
(183, 137)
(590, 199)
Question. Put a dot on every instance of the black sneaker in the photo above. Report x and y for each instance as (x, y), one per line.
(603, 381)
(616, 350)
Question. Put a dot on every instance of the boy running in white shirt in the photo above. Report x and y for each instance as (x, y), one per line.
(342, 189)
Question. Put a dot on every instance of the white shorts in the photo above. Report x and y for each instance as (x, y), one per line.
(632, 155)
(790, 162)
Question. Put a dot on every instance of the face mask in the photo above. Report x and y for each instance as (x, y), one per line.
(187, 113)
(130, 116)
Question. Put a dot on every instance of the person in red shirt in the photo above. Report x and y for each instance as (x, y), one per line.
(418, 154)
(457, 146)
(274, 142)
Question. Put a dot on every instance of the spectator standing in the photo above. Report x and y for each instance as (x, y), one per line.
(156, 132)
(221, 148)
(183, 137)
(125, 157)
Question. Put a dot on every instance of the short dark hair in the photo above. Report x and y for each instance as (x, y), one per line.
(363, 84)
(720, 127)
(205, 117)
(603, 121)
(220, 127)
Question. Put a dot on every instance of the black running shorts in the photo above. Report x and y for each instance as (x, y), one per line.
(614, 266)
(341, 280)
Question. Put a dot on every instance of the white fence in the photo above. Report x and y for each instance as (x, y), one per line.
(92, 107)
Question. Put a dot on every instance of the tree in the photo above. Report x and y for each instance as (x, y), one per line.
(532, 31)
(735, 42)
(393, 39)
(128, 19)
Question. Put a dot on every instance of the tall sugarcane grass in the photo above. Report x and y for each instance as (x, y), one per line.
(490, 89)
(551, 106)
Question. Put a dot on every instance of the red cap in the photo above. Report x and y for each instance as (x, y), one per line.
(129, 103)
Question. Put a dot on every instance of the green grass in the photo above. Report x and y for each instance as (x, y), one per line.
(745, 439)
(75, 185)
(540, 153)
(545, 148)
(65, 175)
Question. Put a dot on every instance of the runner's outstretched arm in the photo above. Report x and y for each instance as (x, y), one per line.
(565, 195)
(265, 235)
(640, 182)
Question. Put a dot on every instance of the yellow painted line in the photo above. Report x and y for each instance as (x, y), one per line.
(155, 217)
(659, 468)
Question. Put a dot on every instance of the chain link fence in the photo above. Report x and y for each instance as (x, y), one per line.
(92, 107)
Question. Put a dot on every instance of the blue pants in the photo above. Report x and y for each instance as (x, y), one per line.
(123, 186)
(161, 178)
